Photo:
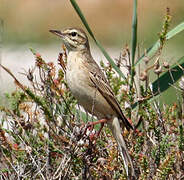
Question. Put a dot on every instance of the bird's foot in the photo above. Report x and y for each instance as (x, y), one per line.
(90, 126)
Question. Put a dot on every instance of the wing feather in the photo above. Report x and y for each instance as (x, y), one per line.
(101, 83)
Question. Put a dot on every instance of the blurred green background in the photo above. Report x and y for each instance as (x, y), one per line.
(29, 21)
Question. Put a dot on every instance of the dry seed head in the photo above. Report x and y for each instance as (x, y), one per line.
(143, 76)
(123, 53)
(146, 59)
(30, 75)
(166, 64)
(28, 149)
(158, 70)
(181, 83)
(156, 66)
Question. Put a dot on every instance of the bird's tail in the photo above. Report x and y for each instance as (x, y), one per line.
(116, 131)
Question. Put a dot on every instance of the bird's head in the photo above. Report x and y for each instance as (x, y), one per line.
(75, 39)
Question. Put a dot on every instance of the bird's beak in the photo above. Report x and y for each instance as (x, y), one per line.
(56, 32)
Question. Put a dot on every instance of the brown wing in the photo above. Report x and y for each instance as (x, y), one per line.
(100, 82)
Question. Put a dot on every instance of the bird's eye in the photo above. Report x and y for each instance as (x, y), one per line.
(73, 34)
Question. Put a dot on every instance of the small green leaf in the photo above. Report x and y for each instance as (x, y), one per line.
(33, 51)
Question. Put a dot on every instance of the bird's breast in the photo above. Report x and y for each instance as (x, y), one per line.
(77, 76)
(78, 80)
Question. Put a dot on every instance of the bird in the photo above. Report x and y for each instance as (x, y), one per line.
(90, 87)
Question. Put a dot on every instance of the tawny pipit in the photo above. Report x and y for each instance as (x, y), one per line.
(91, 88)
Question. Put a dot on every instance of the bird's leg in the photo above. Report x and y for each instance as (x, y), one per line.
(97, 122)
(99, 131)
(96, 135)
(91, 126)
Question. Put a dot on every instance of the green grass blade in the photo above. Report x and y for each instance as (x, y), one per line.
(150, 52)
(134, 31)
(111, 61)
(175, 31)
(134, 40)
(79, 12)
